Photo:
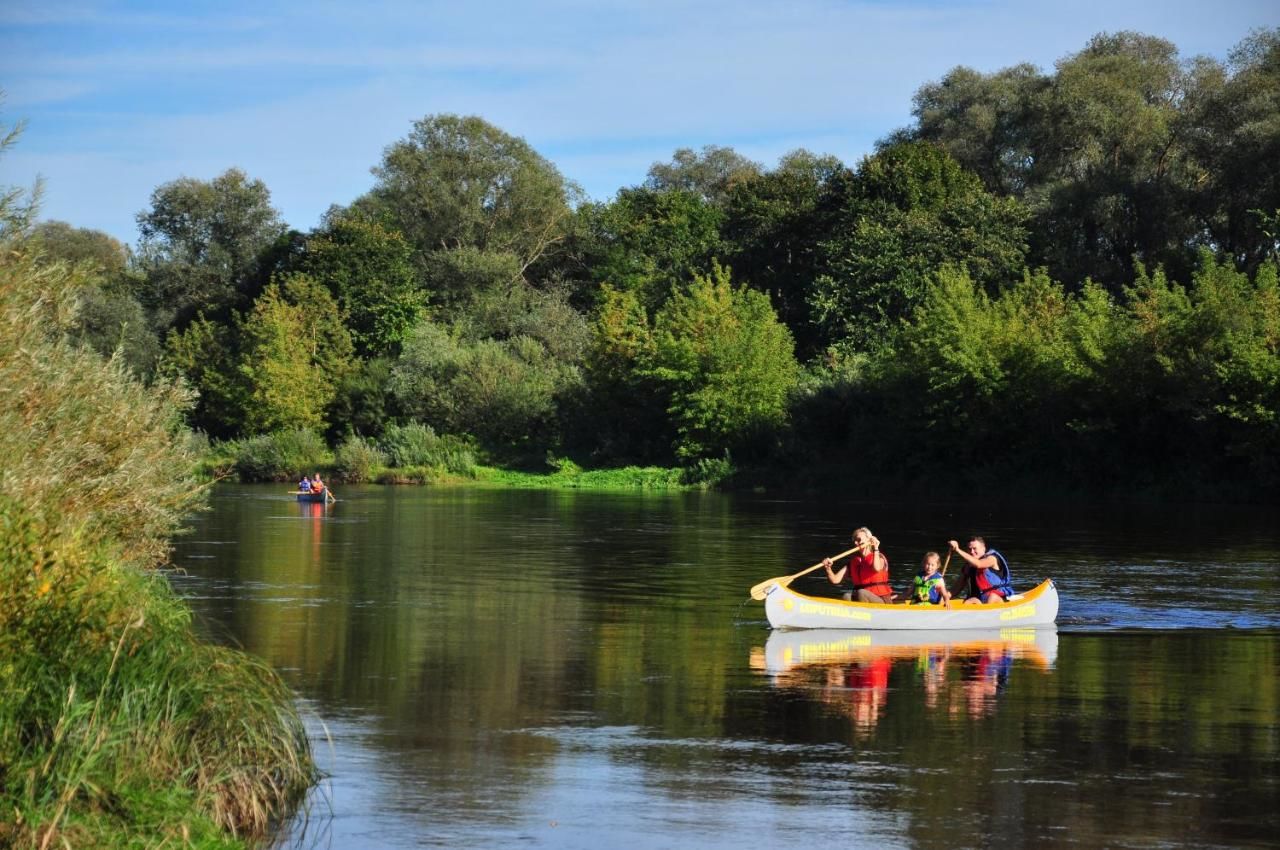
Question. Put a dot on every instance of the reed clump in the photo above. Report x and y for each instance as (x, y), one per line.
(118, 726)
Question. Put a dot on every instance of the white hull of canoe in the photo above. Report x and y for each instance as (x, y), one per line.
(787, 609)
(788, 649)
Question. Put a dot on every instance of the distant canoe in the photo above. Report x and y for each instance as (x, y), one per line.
(787, 609)
(304, 496)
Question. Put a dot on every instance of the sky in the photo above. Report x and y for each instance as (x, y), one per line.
(122, 97)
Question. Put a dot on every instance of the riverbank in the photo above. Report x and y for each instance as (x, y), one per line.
(429, 459)
(119, 726)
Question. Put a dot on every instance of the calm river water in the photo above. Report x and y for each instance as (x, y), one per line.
(506, 668)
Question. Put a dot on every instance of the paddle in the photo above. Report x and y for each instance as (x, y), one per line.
(328, 495)
(758, 591)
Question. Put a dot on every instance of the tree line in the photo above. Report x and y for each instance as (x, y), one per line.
(1065, 275)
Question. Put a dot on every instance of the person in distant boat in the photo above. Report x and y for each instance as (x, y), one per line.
(929, 585)
(868, 571)
(317, 486)
(304, 486)
(987, 573)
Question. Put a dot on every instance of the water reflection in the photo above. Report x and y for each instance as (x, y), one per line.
(963, 672)
(506, 668)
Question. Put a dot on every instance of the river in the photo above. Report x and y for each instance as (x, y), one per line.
(511, 668)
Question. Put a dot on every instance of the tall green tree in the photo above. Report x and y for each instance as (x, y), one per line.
(727, 366)
(295, 350)
(622, 416)
(711, 174)
(206, 355)
(460, 183)
(649, 242)
(200, 246)
(109, 318)
(102, 253)
(909, 211)
(1234, 135)
(1101, 151)
(369, 270)
(774, 223)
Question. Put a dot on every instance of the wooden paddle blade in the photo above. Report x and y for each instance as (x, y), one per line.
(761, 590)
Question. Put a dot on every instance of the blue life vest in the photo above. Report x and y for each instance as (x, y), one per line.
(1001, 578)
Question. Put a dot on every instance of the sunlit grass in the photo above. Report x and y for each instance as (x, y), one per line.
(118, 726)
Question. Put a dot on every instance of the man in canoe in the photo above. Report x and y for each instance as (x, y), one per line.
(987, 576)
(868, 571)
(304, 486)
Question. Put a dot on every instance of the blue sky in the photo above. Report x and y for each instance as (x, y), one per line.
(122, 97)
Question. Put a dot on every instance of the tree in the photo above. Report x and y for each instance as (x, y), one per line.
(1234, 137)
(110, 320)
(909, 211)
(369, 270)
(774, 223)
(295, 350)
(200, 246)
(461, 183)
(622, 416)
(206, 355)
(649, 242)
(711, 174)
(727, 365)
(988, 123)
(1099, 152)
(100, 252)
(109, 317)
(502, 391)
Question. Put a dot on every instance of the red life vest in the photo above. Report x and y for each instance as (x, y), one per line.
(862, 572)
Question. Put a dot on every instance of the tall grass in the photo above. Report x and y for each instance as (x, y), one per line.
(358, 460)
(113, 712)
(118, 727)
(280, 456)
(416, 445)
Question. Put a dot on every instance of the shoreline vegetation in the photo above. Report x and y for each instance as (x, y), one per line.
(1058, 280)
(119, 726)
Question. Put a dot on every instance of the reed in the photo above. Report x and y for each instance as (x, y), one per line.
(118, 726)
(114, 716)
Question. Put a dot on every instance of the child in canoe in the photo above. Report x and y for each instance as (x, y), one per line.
(929, 585)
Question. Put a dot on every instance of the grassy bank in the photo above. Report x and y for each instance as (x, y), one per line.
(118, 726)
(414, 454)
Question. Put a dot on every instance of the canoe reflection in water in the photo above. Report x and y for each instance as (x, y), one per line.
(963, 671)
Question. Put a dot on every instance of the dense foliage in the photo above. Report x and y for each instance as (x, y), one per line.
(116, 720)
(1055, 276)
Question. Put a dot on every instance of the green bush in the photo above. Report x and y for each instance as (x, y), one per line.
(358, 460)
(416, 444)
(280, 456)
(709, 472)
